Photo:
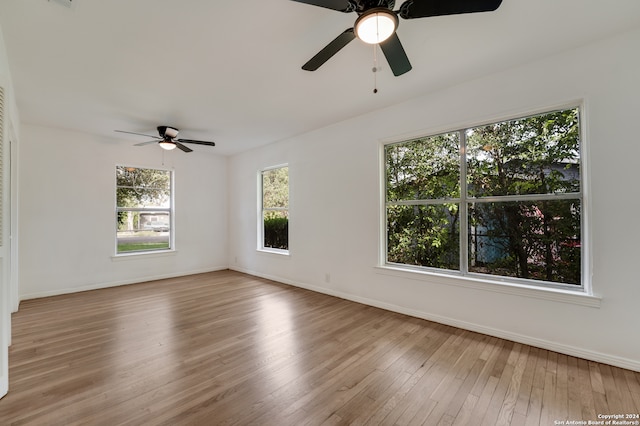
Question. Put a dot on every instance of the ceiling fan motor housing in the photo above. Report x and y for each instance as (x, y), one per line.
(167, 132)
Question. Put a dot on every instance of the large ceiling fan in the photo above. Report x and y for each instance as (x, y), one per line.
(377, 23)
(168, 139)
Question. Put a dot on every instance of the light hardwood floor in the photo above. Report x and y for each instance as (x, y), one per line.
(229, 348)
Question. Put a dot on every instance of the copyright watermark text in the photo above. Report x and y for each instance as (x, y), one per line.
(604, 420)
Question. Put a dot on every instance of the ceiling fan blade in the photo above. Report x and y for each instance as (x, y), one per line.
(411, 9)
(329, 50)
(139, 134)
(395, 54)
(182, 147)
(339, 5)
(145, 143)
(196, 142)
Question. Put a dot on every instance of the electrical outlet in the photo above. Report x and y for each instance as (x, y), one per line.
(327, 277)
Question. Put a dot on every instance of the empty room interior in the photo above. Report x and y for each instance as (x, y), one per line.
(317, 212)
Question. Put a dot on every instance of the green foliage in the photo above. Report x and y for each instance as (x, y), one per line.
(423, 235)
(136, 187)
(275, 188)
(427, 168)
(531, 155)
(142, 187)
(128, 247)
(536, 240)
(424, 169)
(275, 204)
(276, 232)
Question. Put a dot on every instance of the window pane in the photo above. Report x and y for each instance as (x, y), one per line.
(535, 240)
(427, 168)
(143, 187)
(533, 155)
(139, 197)
(275, 188)
(143, 231)
(424, 235)
(276, 230)
(147, 189)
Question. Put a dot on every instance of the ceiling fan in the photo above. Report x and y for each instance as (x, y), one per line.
(377, 23)
(168, 139)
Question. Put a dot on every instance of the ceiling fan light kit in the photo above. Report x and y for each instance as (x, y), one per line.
(376, 25)
(167, 145)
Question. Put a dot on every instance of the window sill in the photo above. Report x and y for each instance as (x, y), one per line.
(553, 294)
(142, 255)
(274, 251)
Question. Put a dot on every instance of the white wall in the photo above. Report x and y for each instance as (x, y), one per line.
(67, 219)
(335, 204)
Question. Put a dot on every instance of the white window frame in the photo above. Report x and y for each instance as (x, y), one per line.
(494, 282)
(170, 210)
(262, 210)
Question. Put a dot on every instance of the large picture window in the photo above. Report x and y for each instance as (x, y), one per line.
(503, 199)
(143, 209)
(274, 221)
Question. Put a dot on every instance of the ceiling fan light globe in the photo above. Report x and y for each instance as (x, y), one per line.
(375, 26)
(167, 145)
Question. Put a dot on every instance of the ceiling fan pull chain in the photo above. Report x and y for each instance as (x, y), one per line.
(375, 68)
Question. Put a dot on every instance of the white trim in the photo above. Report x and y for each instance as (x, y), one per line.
(140, 166)
(506, 287)
(585, 285)
(260, 210)
(277, 166)
(613, 360)
(5, 245)
(279, 252)
(497, 117)
(171, 209)
(4, 385)
(136, 255)
(108, 284)
(15, 217)
(585, 182)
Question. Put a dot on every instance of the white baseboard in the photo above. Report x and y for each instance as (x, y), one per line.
(98, 286)
(503, 334)
(4, 385)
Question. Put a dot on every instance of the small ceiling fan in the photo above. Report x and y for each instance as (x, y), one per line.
(168, 139)
(377, 23)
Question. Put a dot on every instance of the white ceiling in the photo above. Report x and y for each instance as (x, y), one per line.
(230, 71)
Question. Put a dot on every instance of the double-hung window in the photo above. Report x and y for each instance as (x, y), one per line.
(144, 209)
(502, 200)
(274, 206)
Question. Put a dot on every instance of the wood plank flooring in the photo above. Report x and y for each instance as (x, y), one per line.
(228, 348)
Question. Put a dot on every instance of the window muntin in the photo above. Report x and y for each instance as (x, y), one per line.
(143, 210)
(274, 221)
(504, 199)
